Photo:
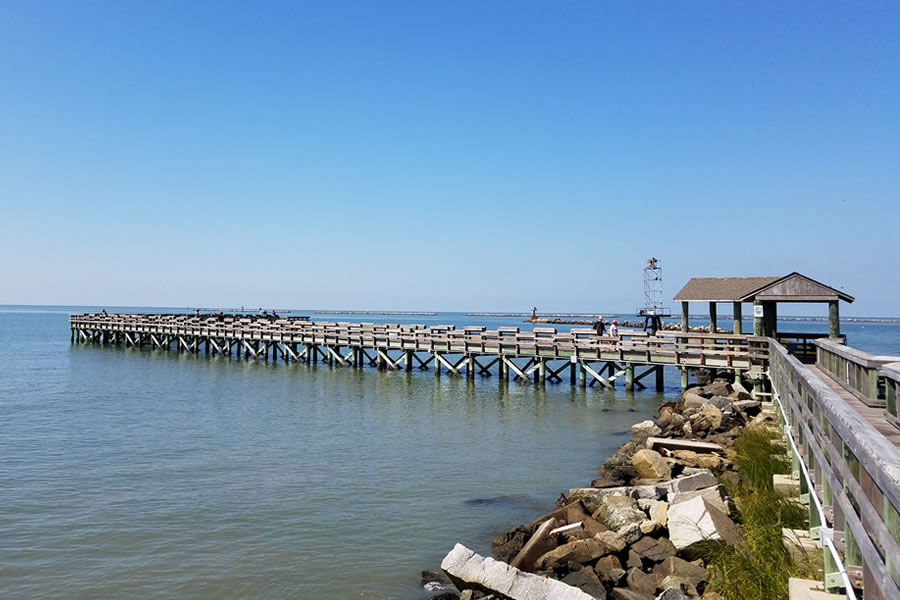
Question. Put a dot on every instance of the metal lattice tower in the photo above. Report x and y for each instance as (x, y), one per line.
(653, 299)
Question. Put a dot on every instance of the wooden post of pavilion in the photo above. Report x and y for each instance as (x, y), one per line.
(757, 319)
(834, 319)
(738, 324)
(684, 317)
(713, 325)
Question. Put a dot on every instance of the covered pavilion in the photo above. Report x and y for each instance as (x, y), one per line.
(765, 293)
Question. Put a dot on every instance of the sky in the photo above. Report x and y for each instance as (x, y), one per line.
(430, 155)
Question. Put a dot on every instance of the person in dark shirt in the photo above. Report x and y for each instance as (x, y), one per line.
(600, 326)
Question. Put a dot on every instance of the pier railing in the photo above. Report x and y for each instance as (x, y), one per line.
(858, 372)
(737, 352)
(891, 374)
(856, 474)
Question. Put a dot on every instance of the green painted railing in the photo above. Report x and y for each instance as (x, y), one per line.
(857, 371)
(891, 375)
(855, 472)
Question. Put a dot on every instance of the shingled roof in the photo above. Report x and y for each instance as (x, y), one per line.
(793, 287)
(722, 289)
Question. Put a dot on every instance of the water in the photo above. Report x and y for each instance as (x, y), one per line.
(138, 473)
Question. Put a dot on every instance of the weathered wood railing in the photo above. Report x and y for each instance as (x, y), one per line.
(856, 474)
(802, 344)
(741, 353)
(858, 372)
(891, 374)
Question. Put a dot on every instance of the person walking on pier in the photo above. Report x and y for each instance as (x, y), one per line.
(614, 328)
(600, 326)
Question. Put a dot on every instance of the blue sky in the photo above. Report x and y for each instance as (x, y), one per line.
(444, 156)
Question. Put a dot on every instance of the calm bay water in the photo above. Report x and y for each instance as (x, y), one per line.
(138, 473)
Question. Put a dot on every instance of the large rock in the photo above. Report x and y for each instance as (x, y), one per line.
(655, 443)
(641, 431)
(618, 512)
(627, 594)
(469, 570)
(609, 570)
(697, 520)
(671, 593)
(658, 517)
(506, 545)
(581, 551)
(586, 581)
(678, 567)
(643, 583)
(654, 550)
(693, 400)
(651, 465)
(713, 416)
(715, 495)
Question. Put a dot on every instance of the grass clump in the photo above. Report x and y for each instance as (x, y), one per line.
(759, 567)
(760, 454)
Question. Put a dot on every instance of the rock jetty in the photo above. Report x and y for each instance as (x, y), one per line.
(636, 532)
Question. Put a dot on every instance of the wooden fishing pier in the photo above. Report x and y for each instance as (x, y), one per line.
(539, 356)
(838, 406)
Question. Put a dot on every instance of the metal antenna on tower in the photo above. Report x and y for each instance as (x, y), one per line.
(653, 309)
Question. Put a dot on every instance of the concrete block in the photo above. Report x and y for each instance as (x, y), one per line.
(785, 485)
(697, 520)
(799, 545)
(469, 570)
(808, 589)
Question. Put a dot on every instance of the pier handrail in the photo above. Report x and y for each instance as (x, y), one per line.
(692, 349)
(856, 471)
(892, 392)
(858, 372)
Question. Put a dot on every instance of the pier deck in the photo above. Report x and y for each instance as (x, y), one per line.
(543, 354)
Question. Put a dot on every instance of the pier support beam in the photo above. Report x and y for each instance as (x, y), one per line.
(713, 325)
(684, 378)
(629, 377)
(660, 378)
(738, 324)
(834, 319)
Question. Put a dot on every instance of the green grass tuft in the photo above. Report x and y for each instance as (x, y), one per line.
(758, 568)
(760, 455)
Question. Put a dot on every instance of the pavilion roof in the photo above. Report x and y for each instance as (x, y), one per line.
(793, 287)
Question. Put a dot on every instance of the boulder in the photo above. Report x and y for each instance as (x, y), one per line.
(651, 465)
(617, 512)
(631, 532)
(713, 416)
(693, 400)
(469, 570)
(718, 388)
(582, 551)
(605, 482)
(747, 405)
(715, 495)
(679, 583)
(643, 583)
(586, 581)
(579, 551)
(654, 550)
(671, 593)
(723, 404)
(678, 567)
(634, 560)
(658, 517)
(641, 431)
(609, 570)
(626, 594)
(612, 540)
(697, 520)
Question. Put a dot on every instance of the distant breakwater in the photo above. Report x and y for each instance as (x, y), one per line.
(376, 312)
(541, 315)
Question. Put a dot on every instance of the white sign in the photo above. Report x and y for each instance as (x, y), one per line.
(758, 311)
